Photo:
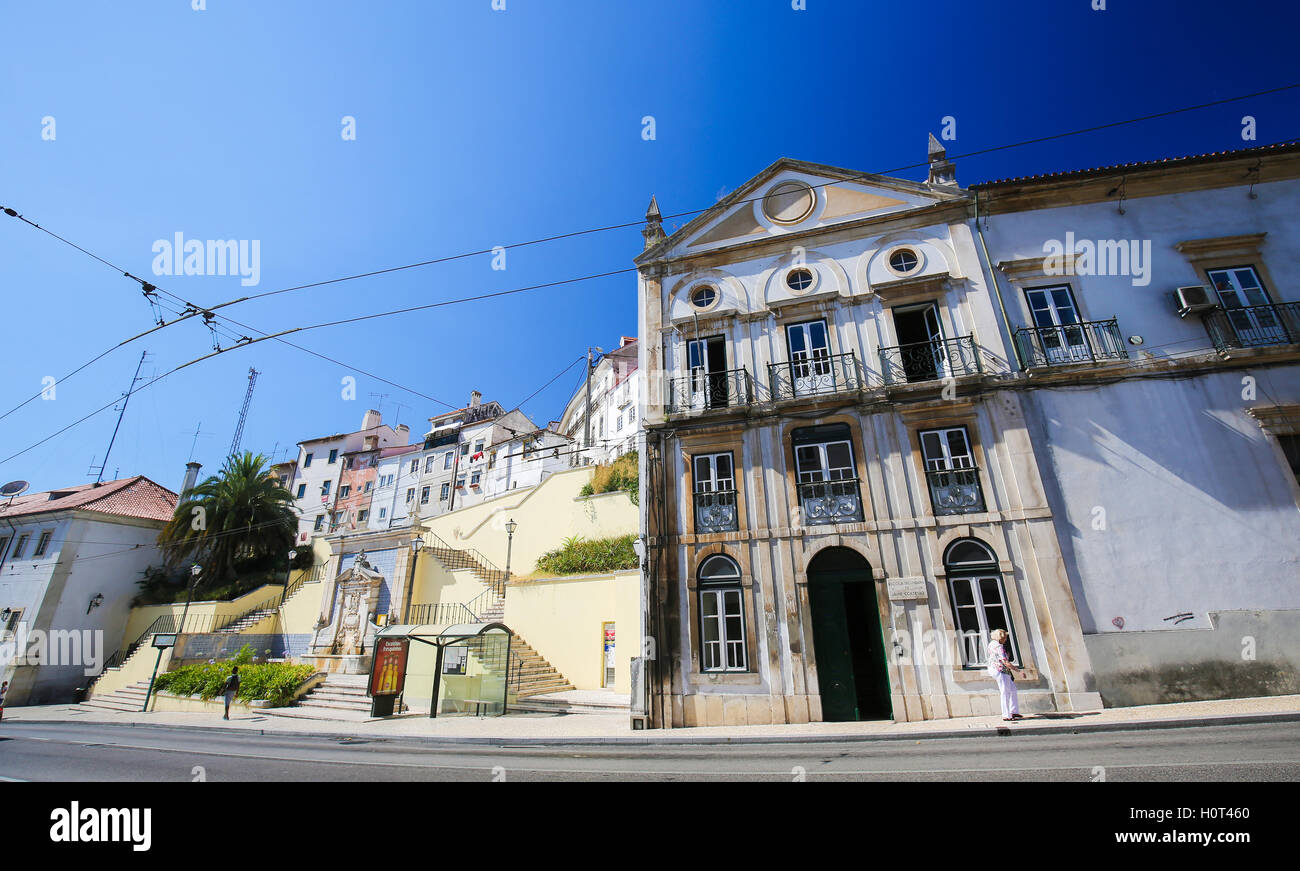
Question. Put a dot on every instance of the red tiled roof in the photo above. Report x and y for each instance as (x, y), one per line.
(1280, 147)
(125, 497)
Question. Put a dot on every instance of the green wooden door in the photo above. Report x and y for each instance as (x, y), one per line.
(848, 645)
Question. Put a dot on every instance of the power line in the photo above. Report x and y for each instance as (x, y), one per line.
(575, 233)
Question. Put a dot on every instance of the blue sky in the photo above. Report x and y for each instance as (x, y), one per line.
(477, 128)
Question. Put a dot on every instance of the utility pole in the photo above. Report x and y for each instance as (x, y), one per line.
(586, 430)
(125, 399)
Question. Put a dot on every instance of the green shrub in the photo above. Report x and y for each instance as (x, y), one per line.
(622, 474)
(579, 556)
(275, 682)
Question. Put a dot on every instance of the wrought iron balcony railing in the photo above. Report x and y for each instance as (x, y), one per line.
(815, 376)
(704, 390)
(955, 491)
(1085, 342)
(1254, 326)
(930, 361)
(715, 511)
(825, 502)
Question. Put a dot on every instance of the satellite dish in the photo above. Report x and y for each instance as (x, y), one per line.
(13, 488)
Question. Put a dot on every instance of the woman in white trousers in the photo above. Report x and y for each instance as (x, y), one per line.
(1000, 668)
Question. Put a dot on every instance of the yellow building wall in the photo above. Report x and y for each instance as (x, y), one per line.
(201, 616)
(302, 609)
(562, 619)
(138, 667)
(546, 514)
(434, 583)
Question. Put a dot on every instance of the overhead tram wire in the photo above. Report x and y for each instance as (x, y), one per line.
(576, 233)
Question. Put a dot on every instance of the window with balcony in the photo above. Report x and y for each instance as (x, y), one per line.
(715, 493)
(722, 616)
(1059, 336)
(812, 369)
(827, 475)
(950, 471)
(708, 382)
(979, 601)
(1249, 318)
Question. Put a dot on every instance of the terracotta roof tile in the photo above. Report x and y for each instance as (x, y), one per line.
(125, 497)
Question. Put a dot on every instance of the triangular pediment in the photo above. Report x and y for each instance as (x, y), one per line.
(795, 196)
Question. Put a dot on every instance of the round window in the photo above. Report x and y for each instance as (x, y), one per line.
(799, 279)
(904, 260)
(704, 296)
(789, 202)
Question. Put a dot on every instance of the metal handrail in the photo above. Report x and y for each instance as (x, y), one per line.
(1084, 342)
(815, 376)
(838, 500)
(715, 511)
(496, 576)
(705, 390)
(441, 614)
(955, 491)
(271, 604)
(930, 361)
(1253, 326)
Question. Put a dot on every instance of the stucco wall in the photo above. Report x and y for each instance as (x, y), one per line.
(1169, 499)
(546, 514)
(562, 618)
(1246, 653)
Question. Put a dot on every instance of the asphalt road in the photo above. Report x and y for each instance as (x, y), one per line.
(96, 752)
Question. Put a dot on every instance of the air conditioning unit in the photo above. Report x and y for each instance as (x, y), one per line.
(1192, 299)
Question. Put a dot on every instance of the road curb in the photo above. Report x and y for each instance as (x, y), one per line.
(662, 738)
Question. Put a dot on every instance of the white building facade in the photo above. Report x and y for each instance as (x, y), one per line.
(70, 561)
(614, 400)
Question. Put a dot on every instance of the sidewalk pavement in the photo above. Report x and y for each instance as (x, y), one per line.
(524, 729)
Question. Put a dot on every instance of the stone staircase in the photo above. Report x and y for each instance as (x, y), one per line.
(576, 702)
(452, 559)
(536, 675)
(128, 698)
(338, 693)
(252, 618)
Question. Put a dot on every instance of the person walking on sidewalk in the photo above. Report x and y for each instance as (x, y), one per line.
(1000, 668)
(230, 689)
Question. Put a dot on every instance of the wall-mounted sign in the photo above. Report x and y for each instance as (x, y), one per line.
(388, 674)
(906, 588)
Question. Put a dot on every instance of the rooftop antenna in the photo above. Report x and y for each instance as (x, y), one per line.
(126, 397)
(243, 412)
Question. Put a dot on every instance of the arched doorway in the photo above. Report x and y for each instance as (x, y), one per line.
(847, 641)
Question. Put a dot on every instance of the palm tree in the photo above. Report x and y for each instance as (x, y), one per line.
(241, 513)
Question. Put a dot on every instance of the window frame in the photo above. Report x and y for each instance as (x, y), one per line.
(720, 589)
(43, 543)
(972, 573)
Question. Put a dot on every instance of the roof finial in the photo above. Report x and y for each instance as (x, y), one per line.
(654, 229)
(942, 170)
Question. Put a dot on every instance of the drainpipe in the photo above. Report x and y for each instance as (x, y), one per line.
(997, 289)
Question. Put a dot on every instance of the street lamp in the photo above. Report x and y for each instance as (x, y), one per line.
(288, 573)
(417, 544)
(511, 526)
(195, 571)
